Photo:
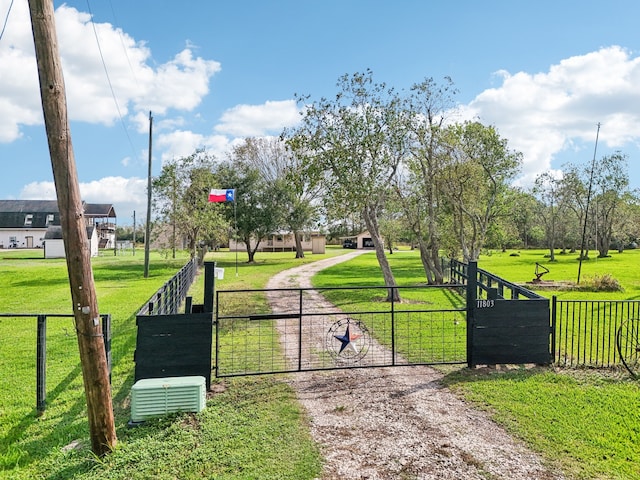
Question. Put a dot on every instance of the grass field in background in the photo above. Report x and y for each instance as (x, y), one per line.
(519, 266)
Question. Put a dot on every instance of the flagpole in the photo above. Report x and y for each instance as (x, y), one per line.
(235, 227)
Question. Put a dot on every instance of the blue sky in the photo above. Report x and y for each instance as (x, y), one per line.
(545, 73)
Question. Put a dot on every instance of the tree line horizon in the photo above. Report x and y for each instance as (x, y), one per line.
(395, 163)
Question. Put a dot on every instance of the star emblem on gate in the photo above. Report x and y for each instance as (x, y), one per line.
(348, 341)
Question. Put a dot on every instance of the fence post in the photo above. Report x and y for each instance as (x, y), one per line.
(300, 330)
(41, 367)
(554, 300)
(393, 326)
(106, 335)
(472, 292)
(209, 285)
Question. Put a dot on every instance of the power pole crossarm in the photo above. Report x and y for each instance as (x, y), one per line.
(95, 372)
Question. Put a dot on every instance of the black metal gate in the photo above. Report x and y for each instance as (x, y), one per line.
(309, 329)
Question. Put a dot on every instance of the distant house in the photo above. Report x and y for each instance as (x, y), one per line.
(284, 242)
(360, 241)
(54, 244)
(103, 217)
(24, 223)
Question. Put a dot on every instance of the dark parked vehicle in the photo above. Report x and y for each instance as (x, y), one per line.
(348, 243)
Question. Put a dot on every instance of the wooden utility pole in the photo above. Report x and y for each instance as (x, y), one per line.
(95, 372)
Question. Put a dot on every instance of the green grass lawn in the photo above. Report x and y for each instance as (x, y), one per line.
(521, 269)
(586, 421)
(253, 430)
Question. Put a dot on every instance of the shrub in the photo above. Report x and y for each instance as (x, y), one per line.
(603, 283)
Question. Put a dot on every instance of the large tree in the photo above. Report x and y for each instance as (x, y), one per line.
(598, 193)
(355, 142)
(283, 171)
(525, 218)
(626, 226)
(181, 198)
(611, 182)
(480, 167)
(426, 110)
(257, 210)
(552, 204)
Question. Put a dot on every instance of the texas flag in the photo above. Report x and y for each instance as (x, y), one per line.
(222, 195)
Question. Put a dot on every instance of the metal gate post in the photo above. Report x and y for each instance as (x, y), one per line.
(217, 327)
(106, 335)
(472, 293)
(209, 285)
(41, 367)
(300, 332)
(554, 305)
(393, 325)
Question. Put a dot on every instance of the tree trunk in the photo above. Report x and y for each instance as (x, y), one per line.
(371, 221)
(250, 251)
(552, 242)
(95, 373)
(426, 262)
(298, 240)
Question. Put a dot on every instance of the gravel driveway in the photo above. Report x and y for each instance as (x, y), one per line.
(400, 423)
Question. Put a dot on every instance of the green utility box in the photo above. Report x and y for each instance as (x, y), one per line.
(153, 397)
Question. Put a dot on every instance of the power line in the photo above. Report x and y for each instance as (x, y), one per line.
(106, 71)
(6, 19)
(124, 48)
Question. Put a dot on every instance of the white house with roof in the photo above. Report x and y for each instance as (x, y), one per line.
(54, 244)
(25, 223)
(284, 242)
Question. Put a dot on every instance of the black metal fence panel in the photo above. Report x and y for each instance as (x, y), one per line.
(40, 345)
(320, 329)
(169, 297)
(174, 346)
(510, 332)
(585, 330)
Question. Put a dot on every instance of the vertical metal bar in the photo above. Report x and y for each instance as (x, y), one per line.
(41, 367)
(573, 331)
(566, 330)
(300, 331)
(393, 326)
(472, 287)
(554, 301)
(158, 302)
(209, 285)
(106, 336)
(613, 314)
(217, 352)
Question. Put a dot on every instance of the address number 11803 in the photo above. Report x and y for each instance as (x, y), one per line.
(485, 303)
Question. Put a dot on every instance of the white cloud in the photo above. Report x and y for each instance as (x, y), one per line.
(259, 120)
(182, 143)
(236, 123)
(19, 101)
(547, 114)
(179, 84)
